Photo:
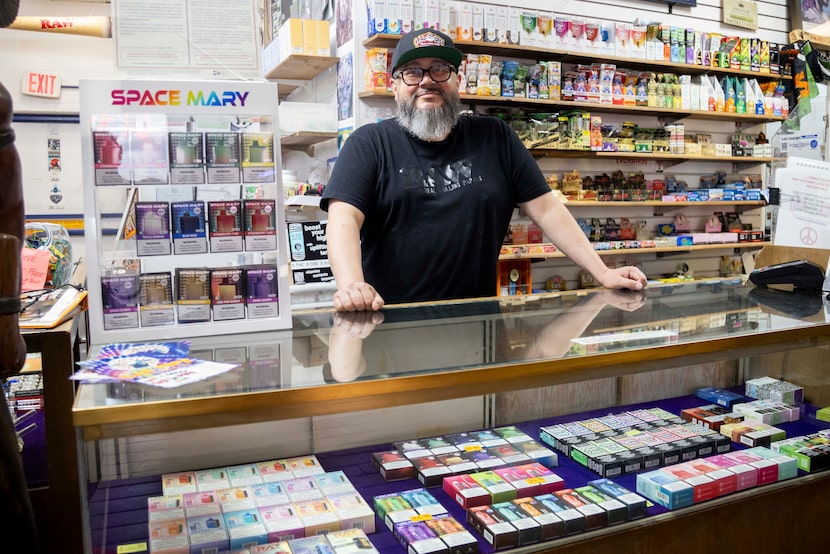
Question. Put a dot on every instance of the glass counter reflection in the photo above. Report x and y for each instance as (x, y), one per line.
(326, 348)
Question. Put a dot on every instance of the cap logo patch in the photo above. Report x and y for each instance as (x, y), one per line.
(428, 39)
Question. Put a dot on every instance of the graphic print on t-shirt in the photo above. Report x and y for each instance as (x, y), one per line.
(443, 178)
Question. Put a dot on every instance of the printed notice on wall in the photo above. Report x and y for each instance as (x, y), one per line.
(210, 37)
(804, 214)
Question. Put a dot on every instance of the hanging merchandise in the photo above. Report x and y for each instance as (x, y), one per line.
(55, 239)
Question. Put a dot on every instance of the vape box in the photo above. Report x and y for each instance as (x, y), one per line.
(317, 516)
(178, 483)
(333, 482)
(207, 534)
(112, 166)
(260, 225)
(261, 291)
(225, 226)
(187, 158)
(222, 158)
(552, 525)
(393, 465)
(290, 37)
(274, 470)
(537, 474)
(323, 34)
(439, 445)
(499, 489)
(524, 485)
(483, 459)
(351, 541)
(417, 538)
(236, 498)
(244, 474)
(719, 396)
(201, 503)
(352, 511)
(530, 530)
(595, 517)
(269, 494)
(304, 466)
(512, 434)
(466, 491)
(119, 296)
(573, 520)
(509, 454)
(634, 503)
(453, 534)
(616, 512)
(497, 530)
(308, 544)
(665, 489)
(227, 293)
(280, 547)
(430, 471)
(538, 453)
(392, 508)
(189, 227)
(208, 480)
(302, 488)
(464, 441)
(457, 462)
(258, 158)
(412, 449)
(169, 537)
(152, 228)
(164, 508)
(282, 523)
(488, 438)
(423, 502)
(155, 299)
(193, 295)
(245, 528)
(148, 158)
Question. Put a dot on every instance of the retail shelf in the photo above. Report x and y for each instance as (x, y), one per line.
(304, 141)
(637, 251)
(298, 67)
(569, 56)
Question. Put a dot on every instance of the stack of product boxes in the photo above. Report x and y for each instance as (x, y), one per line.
(432, 459)
(696, 481)
(253, 504)
(487, 23)
(630, 442)
(421, 524)
(304, 37)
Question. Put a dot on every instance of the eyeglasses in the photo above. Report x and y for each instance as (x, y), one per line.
(414, 75)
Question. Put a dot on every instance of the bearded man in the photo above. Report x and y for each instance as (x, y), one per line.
(418, 205)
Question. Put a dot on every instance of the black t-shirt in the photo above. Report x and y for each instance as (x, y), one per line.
(435, 212)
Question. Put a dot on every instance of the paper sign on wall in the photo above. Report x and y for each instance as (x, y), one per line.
(34, 268)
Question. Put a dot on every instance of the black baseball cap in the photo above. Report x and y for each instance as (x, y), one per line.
(425, 43)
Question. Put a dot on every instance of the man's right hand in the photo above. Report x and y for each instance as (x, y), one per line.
(357, 297)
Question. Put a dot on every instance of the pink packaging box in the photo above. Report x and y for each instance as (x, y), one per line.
(466, 491)
(201, 503)
(164, 508)
(274, 470)
(282, 523)
(178, 483)
(169, 537)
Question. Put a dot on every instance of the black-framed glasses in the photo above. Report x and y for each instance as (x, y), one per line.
(414, 75)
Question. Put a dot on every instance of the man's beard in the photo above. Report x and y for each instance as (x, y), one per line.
(430, 124)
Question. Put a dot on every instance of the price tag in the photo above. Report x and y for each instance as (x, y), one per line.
(421, 517)
(535, 480)
(472, 448)
(130, 548)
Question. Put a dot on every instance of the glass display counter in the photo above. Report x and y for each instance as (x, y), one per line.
(500, 349)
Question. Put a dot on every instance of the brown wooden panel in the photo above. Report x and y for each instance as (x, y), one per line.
(555, 400)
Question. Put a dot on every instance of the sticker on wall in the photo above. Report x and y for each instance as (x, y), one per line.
(53, 156)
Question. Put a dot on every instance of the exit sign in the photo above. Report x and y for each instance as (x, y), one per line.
(42, 84)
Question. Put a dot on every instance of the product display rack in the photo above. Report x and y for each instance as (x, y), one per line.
(715, 322)
(195, 168)
(662, 160)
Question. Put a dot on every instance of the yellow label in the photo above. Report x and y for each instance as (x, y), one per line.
(535, 480)
(472, 448)
(422, 517)
(127, 548)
